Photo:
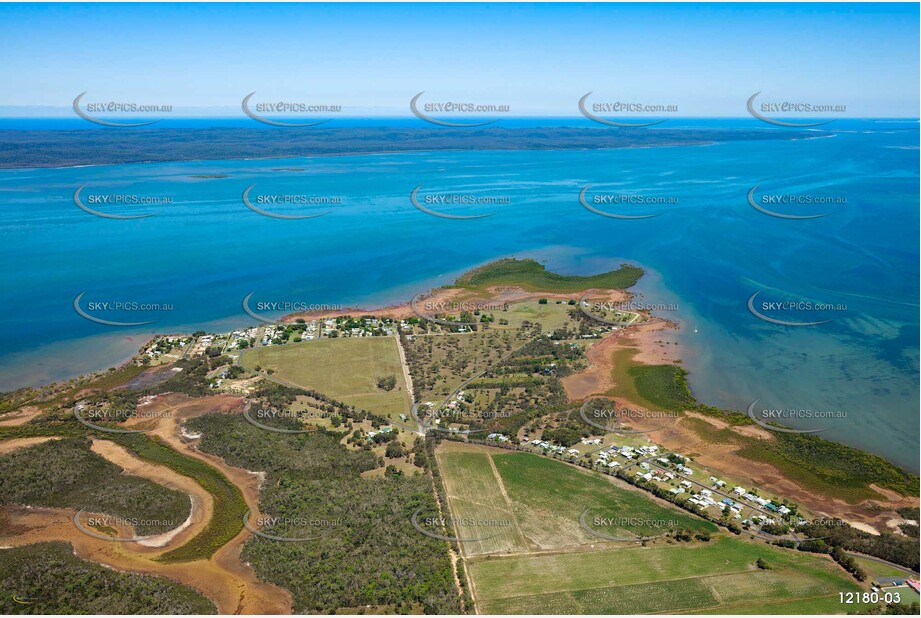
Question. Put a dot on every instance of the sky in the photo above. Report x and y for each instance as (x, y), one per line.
(538, 59)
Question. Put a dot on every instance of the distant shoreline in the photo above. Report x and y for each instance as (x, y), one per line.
(57, 148)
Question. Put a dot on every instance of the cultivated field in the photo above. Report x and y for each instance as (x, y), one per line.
(346, 369)
(551, 496)
(475, 493)
(546, 563)
(719, 576)
(545, 499)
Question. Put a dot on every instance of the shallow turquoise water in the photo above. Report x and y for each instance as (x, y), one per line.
(707, 253)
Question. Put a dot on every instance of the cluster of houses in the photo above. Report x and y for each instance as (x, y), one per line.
(606, 458)
(548, 447)
(366, 327)
(751, 497)
(268, 334)
(238, 336)
(497, 437)
(165, 345)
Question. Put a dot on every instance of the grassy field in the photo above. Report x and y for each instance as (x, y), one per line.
(720, 575)
(346, 369)
(533, 276)
(546, 498)
(474, 492)
(550, 497)
(550, 315)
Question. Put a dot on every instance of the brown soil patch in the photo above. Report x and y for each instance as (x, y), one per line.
(598, 378)
(8, 446)
(20, 416)
(229, 591)
(750, 431)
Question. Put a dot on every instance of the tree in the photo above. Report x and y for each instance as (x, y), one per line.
(394, 450)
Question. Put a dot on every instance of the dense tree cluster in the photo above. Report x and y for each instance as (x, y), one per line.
(362, 549)
(46, 578)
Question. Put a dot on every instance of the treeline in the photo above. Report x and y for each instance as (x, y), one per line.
(892, 547)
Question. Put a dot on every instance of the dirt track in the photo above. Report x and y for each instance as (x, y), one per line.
(8, 446)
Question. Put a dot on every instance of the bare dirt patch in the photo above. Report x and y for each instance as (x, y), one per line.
(8, 446)
(20, 416)
(649, 340)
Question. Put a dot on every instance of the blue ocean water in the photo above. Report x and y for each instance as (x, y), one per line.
(706, 252)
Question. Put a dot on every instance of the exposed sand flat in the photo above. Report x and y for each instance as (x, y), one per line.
(598, 378)
(656, 343)
(8, 446)
(862, 526)
(202, 502)
(252, 595)
(20, 416)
